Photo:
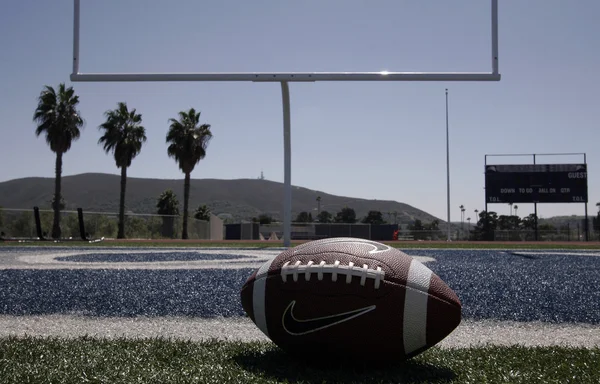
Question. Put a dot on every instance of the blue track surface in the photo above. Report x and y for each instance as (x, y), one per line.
(491, 285)
(200, 293)
(503, 286)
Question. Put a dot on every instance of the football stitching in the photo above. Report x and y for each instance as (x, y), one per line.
(347, 253)
(334, 269)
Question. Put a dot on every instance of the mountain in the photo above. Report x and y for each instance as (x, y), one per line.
(572, 221)
(243, 199)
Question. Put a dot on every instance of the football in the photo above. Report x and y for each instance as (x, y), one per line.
(350, 298)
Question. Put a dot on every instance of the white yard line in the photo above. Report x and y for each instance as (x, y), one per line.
(48, 259)
(530, 334)
(536, 253)
(468, 334)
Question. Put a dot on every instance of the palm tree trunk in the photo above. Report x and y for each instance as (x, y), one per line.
(57, 200)
(186, 200)
(121, 233)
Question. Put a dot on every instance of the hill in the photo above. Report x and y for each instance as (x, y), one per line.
(242, 198)
(572, 221)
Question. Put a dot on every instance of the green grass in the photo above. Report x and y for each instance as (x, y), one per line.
(87, 360)
(265, 244)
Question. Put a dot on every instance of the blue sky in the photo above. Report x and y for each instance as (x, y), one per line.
(370, 140)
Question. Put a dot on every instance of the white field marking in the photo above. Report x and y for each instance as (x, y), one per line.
(424, 259)
(46, 259)
(467, 334)
(596, 254)
(528, 334)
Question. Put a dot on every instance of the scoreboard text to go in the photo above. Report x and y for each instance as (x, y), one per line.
(536, 194)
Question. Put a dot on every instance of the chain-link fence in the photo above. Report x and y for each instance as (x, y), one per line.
(20, 224)
(314, 231)
(545, 235)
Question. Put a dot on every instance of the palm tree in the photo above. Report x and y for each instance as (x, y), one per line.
(167, 203)
(168, 208)
(188, 141)
(123, 136)
(202, 213)
(57, 117)
(516, 207)
(476, 215)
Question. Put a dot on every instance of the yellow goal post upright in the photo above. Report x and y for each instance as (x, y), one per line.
(284, 78)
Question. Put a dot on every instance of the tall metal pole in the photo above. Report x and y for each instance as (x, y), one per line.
(76, 17)
(287, 166)
(495, 63)
(448, 166)
(587, 225)
(486, 202)
(535, 222)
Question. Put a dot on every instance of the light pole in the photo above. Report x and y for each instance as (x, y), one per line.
(447, 166)
(598, 219)
(462, 218)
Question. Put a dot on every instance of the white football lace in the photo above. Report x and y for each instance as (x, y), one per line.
(335, 269)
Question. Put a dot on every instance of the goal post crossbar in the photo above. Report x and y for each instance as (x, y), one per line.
(284, 78)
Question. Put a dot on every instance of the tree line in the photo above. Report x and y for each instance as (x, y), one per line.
(345, 215)
(122, 135)
(489, 222)
(21, 224)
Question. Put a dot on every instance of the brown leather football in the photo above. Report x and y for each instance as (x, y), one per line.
(350, 298)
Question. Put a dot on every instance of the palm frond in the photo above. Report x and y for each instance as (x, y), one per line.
(57, 117)
(187, 139)
(123, 134)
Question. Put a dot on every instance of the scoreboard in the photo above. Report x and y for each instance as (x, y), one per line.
(536, 183)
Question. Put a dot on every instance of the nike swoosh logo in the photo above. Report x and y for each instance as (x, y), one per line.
(297, 327)
(378, 246)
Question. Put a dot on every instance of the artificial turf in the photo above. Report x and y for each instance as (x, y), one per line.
(87, 360)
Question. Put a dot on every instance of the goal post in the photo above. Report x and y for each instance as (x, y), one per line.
(284, 78)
